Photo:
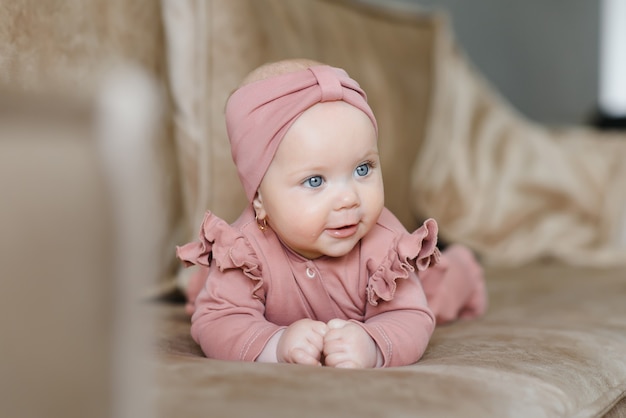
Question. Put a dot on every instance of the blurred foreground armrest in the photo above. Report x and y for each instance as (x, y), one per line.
(74, 326)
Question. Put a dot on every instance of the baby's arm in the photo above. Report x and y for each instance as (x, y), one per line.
(348, 345)
(228, 321)
(402, 326)
(302, 342)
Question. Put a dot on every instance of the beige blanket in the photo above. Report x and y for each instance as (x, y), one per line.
(509, 188)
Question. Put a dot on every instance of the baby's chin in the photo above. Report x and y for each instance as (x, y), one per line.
(341, 249)
(330, 246)
(333, 251)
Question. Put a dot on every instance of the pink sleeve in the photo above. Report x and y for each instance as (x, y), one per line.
(401, 327)
(227, 294)
(228, 322)
(397, 314)
(410, 252)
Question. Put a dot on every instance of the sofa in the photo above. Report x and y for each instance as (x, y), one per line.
(114, 145)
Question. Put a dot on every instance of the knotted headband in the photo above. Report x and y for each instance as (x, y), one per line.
(259, 114)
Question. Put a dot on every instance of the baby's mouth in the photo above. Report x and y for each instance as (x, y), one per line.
(344, 231)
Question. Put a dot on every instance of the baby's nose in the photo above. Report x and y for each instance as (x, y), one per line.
(348, 197)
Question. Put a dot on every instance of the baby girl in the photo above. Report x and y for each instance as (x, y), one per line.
(316, 270)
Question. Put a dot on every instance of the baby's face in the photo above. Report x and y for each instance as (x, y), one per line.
(324, 189)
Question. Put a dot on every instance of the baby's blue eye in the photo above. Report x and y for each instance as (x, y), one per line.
(362, 170)
(314, 182)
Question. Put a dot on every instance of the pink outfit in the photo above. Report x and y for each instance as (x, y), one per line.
(257, 286)
(259, 114)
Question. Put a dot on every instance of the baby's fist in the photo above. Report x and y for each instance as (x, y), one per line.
(348, 345)
(302, 343)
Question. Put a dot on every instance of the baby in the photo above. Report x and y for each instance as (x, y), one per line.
(316, 270)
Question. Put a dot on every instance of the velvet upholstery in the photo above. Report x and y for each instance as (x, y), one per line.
(553, 344)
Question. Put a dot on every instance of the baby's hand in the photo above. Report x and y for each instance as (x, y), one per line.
(302, 343)
(347, 345)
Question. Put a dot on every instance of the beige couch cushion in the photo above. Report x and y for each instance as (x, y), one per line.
(73, 43)
(552, 344)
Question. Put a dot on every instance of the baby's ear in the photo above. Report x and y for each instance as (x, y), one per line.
(257, 204)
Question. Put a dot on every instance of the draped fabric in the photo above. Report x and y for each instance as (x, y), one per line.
(511, 189)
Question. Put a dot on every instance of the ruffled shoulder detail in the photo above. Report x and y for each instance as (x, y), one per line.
(409, 252)
(226, 245)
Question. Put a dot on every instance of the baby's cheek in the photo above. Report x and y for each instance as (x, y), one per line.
(309, 223)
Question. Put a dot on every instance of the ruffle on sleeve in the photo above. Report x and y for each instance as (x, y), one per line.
(416, 251)
(228, 247)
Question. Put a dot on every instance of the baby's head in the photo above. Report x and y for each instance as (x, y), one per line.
(305, 144)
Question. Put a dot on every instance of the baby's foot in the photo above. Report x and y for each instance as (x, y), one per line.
(195, 285)
(476, 304)
(455, 288)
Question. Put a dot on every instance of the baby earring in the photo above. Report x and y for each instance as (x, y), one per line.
(262, 224)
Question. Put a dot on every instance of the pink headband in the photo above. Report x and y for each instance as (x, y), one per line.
(259, 114)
